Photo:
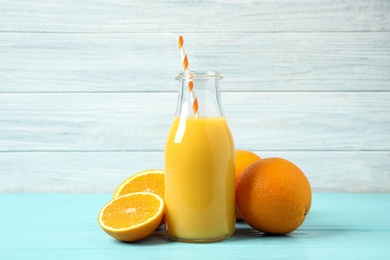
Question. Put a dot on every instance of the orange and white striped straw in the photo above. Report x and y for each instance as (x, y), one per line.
(184, 58)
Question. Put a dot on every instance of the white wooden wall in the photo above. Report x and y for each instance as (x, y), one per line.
(87, 89)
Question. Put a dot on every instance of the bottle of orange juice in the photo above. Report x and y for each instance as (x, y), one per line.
(199, 164)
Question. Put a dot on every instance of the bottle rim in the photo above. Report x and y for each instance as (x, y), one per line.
(194, 75)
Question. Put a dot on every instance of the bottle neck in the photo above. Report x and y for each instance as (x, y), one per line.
(199, 95)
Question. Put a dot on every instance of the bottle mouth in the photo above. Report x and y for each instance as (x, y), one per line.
(194, 75)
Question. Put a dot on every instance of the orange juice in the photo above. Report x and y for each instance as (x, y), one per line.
(199, 180)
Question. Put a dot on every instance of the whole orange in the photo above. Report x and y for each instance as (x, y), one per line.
(273, 196)
(244, 158)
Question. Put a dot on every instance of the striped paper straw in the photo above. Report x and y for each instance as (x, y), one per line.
(184, 59)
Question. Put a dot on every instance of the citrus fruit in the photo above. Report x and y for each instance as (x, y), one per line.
(132, 217)
(151, 180)
(244, 158)
(144, 181)
(273, 195)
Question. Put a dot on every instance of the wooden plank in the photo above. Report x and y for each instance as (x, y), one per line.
(104, 171)
(64, 226)
(310, 121)
(214, 16)
(140, 121)
(122, 62)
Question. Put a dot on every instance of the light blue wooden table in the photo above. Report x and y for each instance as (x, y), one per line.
(64, 226)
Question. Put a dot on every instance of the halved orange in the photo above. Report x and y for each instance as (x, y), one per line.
(151, 180)
(133, 216)
(144, 181)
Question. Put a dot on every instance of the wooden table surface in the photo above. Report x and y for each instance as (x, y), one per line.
(64, 226)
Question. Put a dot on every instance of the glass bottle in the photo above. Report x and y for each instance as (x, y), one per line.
(199, 164)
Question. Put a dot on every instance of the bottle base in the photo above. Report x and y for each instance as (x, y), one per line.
(199, 240)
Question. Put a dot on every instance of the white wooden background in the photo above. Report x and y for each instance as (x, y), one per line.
(87, 89)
